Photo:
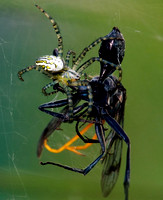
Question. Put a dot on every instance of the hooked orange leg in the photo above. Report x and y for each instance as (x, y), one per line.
(84, 146)
(67, 145)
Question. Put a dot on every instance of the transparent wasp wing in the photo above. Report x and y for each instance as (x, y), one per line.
(53, 125)
(112, 158)
(111, 163)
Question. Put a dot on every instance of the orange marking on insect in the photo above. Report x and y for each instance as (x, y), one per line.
(67, 145)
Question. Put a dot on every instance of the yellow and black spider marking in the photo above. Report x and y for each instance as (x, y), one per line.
(90, 61)
(69, 53)
(85, 50)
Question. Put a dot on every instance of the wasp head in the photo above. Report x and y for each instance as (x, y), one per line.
(112, 50)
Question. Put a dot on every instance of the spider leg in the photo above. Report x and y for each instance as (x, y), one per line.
(35, 67)
(100, 135)
(24, 71)
(27, 69)
(52, 84)
(58, 88)
(92, 60)
(70, 103)
(85, 50)
(56, 29)
(86, 91)
(69, 53)
(90, 96)
(114, 125)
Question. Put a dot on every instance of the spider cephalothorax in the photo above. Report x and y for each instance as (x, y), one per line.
(66, 78)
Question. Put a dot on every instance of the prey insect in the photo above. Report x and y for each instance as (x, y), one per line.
(111, 143)
(109, 98)
(66, 78)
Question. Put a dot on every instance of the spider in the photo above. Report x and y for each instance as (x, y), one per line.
(65, 77)
(109, 98)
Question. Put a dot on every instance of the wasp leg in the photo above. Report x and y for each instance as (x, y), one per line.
(100, 135)
(62, 148)
(54, 105)
(57, 104)
(114, 125)
(85, 140)
(64, 117)
(53, 125)
(84, 146)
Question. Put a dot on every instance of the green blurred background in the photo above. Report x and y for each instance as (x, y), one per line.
(24, 36)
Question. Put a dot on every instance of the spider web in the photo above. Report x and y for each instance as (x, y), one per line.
(21, 36)
(8, 133)
(18, 106)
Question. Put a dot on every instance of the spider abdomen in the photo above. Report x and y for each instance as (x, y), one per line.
(50, 63)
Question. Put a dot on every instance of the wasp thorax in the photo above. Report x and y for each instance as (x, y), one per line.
(50, 63)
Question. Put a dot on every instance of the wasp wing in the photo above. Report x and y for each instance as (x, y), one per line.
(111, 163)
(112, 158)
(53, 125)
